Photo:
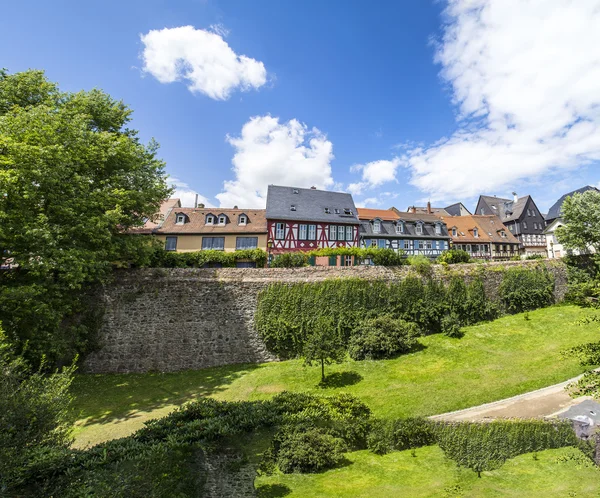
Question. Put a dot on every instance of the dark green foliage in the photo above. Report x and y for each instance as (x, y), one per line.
(451, 324)
(588, 354)
(387, 257)
(583, 275)
(285, 313)
(588, 385)
(290, 260)
(421, 264)
(532, 257)
(323, 344)
(454, 256)
(199, 259)
(400, 435)
(382, 337)
(581, 231)
(486, 446)
(524, 289)
(73, 179)
(34, 411)
(308, 450)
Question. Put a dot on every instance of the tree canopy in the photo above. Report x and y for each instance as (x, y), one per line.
(581, 213)
(73, 180)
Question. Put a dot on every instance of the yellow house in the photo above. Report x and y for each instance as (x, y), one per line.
(196, 229)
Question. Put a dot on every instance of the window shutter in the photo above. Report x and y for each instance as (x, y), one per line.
(332, 260)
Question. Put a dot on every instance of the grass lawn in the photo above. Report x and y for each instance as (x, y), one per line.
(492, 361)
(555, 473)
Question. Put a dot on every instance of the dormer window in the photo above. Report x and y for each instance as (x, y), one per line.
(348, 212)
(400, 227)
(327, 211)
(243, 219)
(295, 191)
(454, 232)
(376, 226)
(222, 219)
(503, 233)
(292, 207)
(336, 211)
(419, 228)
(475, 233)
(180, 219)
(438, 229)
(210, 219)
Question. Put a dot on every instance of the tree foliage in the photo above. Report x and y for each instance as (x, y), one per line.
(73, 180)
(323, 345)
(581, 213)
(454, 256)
(382, 337)
(526, 289)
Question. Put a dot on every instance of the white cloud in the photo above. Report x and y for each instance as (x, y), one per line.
(374, 174)
(369, 201)
(202, 58)
(270, 152)
(187, 194)
(524, 76)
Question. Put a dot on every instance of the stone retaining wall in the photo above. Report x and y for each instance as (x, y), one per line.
(174, 319)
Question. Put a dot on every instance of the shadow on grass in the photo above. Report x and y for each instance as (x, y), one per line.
(272, 491)
(340, 379)
(104, 398)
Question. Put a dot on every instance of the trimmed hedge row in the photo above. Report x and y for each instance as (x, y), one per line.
(200, 259)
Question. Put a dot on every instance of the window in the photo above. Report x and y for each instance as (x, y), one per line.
(348, 212)
(381, 243)
(292, 207)
(475, 233)
(210, 219)
(294, 191)
(180, 219)
(510, 227)
(438, 229)
(243, 219)
(222, 219)
(400, 244)
(280, 231)
(421, 244)
(373, 242)
(171, 244)
(529, 212)
(302, 229)
(341, 232)
(312, 232)
(246, 243)
(327, 211)
(428, 244)
(533, 213)
(349, 234)
(454, 232)
(376, 226)
(214, 243)
(400, 227)
(503, 234)
(336, 211)
(419, 228)
(332, 232)
(525, 225)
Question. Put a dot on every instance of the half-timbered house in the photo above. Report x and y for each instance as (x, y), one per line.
(303, 219)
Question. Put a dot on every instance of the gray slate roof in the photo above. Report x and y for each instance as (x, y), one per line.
(456, 209)
(506, 209)
(388, 230)
(310, 205)
(555, 210)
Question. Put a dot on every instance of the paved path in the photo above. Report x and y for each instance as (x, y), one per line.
(541, 403)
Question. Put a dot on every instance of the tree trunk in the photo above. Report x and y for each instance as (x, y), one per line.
(322, 370)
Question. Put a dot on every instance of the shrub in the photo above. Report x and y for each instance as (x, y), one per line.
(588, 354)
(532, 257)
(451, 325)
(525, 289)
(199, 259)
(454, 256)
(308, 450)
(588, 385)
(290, 260)
(400, 435)
(421, 264)
(388, 257)
(382, 337)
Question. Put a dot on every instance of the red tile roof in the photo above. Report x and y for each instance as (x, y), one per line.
(196, 221)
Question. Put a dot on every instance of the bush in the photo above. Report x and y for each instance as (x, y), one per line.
(454, 256)
(451, 325)
(533, 257)
(308, 450)
(388, 257)
(289, 260)
(526, 289)
(207, 258)
(400, 435)
(422, 265)
(382, 337)
(588, 385)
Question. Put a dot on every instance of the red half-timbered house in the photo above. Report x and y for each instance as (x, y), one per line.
(301, 219)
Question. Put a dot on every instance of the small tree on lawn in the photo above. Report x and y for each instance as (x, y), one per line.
(323, 345)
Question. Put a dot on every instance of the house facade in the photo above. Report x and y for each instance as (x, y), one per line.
(413, 233)
(303, 219)
(522, 218)
(483, 237)
(197, 229)
(554, 220)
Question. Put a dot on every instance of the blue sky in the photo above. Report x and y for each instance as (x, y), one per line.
(397, 102)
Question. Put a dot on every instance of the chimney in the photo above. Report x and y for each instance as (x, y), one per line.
(515, 197)
(412, 209)
(201, 206)
(429, 207)
(313, 188)
(196, 202)
(235, 207)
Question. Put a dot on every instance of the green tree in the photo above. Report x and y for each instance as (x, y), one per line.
(73, 180)
(34, 411)
(581, 231)
(323, 345)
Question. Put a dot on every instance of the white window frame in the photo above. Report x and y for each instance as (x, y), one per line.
(167, 239)
(279, 231)
(475, 233)
(210, 219)
(349, 233)
(243, 219)
(223, 218)
(376, 226)
(438, 229)
(302, 232)
(332, 232)
(180, 219)
(400, 227)
(454, 232)
(419, 228)
(312, 232)
(341, 232)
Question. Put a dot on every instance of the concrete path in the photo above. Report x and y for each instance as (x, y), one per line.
(542, 403)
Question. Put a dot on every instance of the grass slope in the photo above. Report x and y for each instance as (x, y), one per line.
(555, 473)
(492, 361)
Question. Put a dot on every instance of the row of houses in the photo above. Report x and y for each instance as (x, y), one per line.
(301, 219)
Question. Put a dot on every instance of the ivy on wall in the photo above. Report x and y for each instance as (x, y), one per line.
(199, 259)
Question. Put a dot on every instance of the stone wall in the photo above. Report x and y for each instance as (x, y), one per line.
(176, 319)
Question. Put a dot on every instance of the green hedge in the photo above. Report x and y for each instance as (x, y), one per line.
(525, 289)
(199, 259)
